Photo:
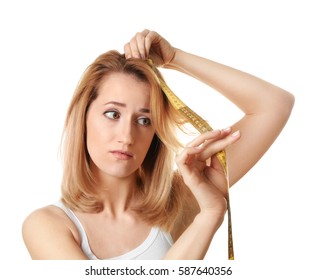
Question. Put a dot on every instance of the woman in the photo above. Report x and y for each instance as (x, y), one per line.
(121, 198)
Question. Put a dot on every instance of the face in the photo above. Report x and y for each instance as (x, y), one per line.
(118, 124)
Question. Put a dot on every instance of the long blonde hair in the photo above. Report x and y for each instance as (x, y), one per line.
(163, 194)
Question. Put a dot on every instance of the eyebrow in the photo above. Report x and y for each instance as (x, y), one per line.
(143, 110)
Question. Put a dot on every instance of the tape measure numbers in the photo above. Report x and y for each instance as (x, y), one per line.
(202, 126)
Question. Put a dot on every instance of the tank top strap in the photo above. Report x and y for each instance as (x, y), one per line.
(84, 239)
(155, 246)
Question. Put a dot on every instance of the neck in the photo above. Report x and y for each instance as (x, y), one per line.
(117, 194)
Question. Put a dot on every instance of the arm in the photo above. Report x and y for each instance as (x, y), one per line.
(208, 186)
(195, 240)
(266, 110)
(49, 235)
(266, 107)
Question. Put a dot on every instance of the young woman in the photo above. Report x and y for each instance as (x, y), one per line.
(121, 198)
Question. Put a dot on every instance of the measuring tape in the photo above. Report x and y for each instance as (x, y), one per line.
(202, 126)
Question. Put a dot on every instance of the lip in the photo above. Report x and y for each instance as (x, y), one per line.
(121, 154)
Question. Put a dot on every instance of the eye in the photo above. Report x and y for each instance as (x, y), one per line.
(114, 115)
(144, 121)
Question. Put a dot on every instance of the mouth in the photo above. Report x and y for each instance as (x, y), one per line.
(122, 155)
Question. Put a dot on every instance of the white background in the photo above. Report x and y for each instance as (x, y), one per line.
(45, 47)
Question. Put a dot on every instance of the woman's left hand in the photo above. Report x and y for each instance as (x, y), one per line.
(202, 171)
(149, 44)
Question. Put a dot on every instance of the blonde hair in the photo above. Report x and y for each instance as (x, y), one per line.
(163, 194)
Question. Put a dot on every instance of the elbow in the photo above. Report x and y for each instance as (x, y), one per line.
(287, 104)
(290, 100)
(280, 105)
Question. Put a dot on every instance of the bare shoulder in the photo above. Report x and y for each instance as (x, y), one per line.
(47, 218)
(48, 233)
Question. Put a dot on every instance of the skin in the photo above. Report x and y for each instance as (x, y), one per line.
(266, 110)
(119, 130)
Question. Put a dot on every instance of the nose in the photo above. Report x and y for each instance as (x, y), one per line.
(126, 133)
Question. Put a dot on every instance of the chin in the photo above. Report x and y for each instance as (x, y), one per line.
(118, 174)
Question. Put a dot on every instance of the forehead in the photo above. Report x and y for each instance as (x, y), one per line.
(124, 86)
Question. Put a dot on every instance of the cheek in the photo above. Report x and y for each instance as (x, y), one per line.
(144, 144)
(91, 136)
(92, 143)
(95, 138)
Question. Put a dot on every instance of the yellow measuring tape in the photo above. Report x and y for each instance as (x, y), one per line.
(202, 126)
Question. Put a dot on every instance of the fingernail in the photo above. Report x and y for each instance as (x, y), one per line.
(198, 147)
(227, 129)
(235, 134)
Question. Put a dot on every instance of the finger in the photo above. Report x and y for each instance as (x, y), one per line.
(149, 39)
(140, 41)
(188, 152)
(134, 47)
(188, 165)
(137, 45)
(146, 44)
(127, 51)
(204, 137)
(212, 148)
(210, 136)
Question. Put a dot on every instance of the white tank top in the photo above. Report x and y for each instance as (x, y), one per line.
(154, 247)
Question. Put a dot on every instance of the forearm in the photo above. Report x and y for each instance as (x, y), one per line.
(195, 240)
(266, 107)
(251, 94)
